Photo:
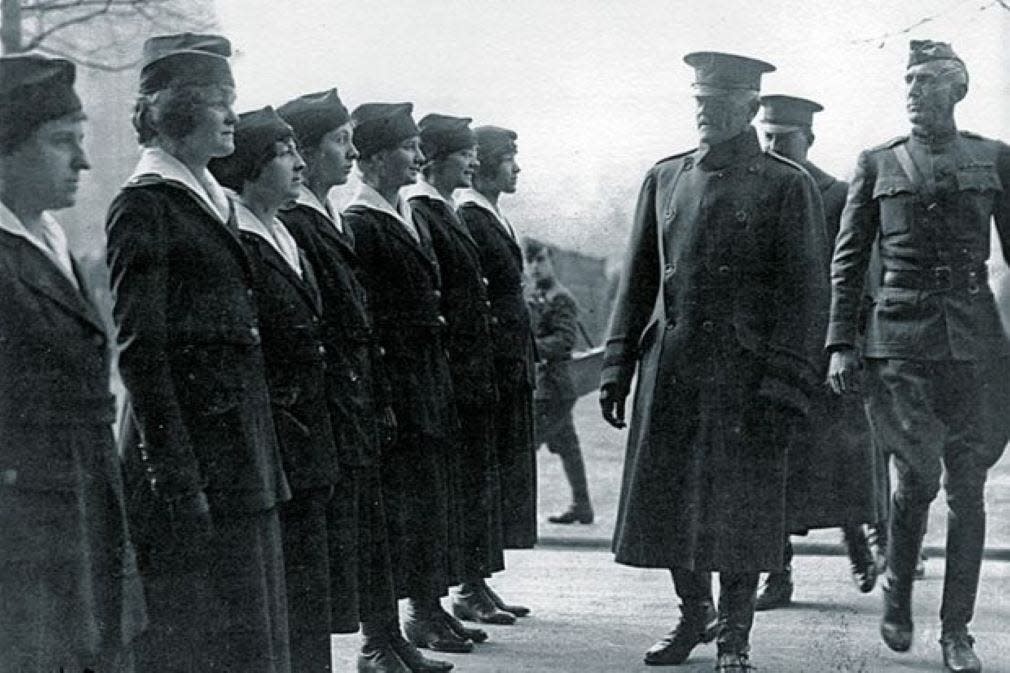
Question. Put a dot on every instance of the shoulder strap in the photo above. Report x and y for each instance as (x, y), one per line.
(925, 182)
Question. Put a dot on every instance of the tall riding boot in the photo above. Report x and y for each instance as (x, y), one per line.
(736, 617)
(965, 542)
(777, 591)
(905, 539)
(864, 571)
(698, 621)
(575, 470)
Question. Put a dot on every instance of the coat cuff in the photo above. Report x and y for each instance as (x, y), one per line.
(619, 361)
(841, 333)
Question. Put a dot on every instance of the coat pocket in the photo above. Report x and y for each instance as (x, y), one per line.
(897, 196)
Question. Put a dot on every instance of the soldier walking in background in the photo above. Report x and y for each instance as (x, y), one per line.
(502, 262)
(926, 201)
(832, 466)
(70, 594)
(555, 322)
(718, 305)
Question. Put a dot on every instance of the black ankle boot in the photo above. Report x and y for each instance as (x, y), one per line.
(896, 626)
(425, 628)
(377, 654)
(412, 657)
(699, 623)
(517, 610)
(471, 603)
(958, 651)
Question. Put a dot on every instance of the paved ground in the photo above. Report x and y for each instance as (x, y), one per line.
(593, 616)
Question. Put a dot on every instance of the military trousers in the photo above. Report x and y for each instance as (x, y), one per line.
(930, 417)
(737, 592)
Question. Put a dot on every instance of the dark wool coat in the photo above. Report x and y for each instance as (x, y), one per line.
(199, 418)
(471, 362)
(502, 262)
(718, 310)
(832, 466)
(69, 586)
(555, 324)
(401, 279)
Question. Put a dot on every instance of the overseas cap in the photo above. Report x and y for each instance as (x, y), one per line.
(185, 59)
(718, 73)
(442, 135)
(380, 126)
(255, 135)
(314, 115)
(782, 114)
(493, 143)
(34, 89)
(924, 51)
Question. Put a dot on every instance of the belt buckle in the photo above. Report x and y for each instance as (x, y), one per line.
(942, 277)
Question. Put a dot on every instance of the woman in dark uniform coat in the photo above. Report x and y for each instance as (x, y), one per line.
(265, 172)
(70, 595)
(401, 276)
(203, 470)
(450, 146)
(512, 335)
(357, 393)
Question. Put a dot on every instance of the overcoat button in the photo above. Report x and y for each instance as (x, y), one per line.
(437, 294)
(708, 325)
(353, 376)
(724, 269)
(441, 320)
(254, 332)
(741, 216)
(322, 350)
(484, 280)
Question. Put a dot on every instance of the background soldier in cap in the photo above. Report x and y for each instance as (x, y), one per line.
(927, 200)
(265, 173)
(502, 262)
(724, 276)
(358, 397)
(555, 323)
(70, 593)
(401, 276)
(832, 477)
(450, 147)
(202, 462)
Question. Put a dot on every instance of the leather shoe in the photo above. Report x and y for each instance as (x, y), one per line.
(381, 659)
(413, 659)
(517, 610)
(698, 625)
(896, 625)
(575, 513)
(777, 591)
(958, 653)
(733, 663)
(476, 606)
(465, 632)
(433, 634)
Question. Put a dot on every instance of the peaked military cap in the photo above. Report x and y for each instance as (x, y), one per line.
(782, 114)
(34, 89)
(380, 126)
(494, 142)
(314, 115)
(924, 51)
(442, 135)
(255, 135)
(185, 59)
(716, 72)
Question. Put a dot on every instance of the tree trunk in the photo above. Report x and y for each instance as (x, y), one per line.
(10, 26)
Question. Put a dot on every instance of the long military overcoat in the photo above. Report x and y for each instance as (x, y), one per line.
(69, 585)
(718, 311)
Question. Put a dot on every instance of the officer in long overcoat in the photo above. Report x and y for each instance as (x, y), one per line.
(925, 201)
(717, 309)
(70, 594)
(832, 468)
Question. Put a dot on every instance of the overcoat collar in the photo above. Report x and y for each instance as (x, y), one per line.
(739, 148)
(471, 195)
(156, 162)
(821, 179)
(52, 243)
(279, 238)
(424, 189)
(367, 197)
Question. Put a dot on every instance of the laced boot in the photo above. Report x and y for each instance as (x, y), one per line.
(377, 654)
(457, 627)
(425, 628)
(864, 571)
(699, 623)
(412, 657)
(517, 610)
(471, 603)
(958, 651)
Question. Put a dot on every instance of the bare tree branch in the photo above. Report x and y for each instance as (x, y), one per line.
(881, 40)
(39, 37)
(88, 63)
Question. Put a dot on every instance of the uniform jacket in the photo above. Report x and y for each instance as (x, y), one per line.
(465, 301)
(290, 316)
(502, 262)
(401, 279)
(718, 310)
(555, 321)
(190, 348)
(61, 492)
(355, 382)
(933, 301)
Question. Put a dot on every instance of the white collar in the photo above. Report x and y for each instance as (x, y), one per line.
(308, 199)
(471, 195)
(52, 242)
(279, 238)
(156, 161)
(424, 188)
(368, 197)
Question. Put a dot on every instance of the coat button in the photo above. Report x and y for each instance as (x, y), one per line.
(724, 269)
(741, 215)
(382, 352)
(670, 324)
(708, 325)
(441, 320)
(494, 320)
(436, 294)
(322, 350)
(353, 376)
(254, 332)
(484, 280)
(668, 269)
(487, 303)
